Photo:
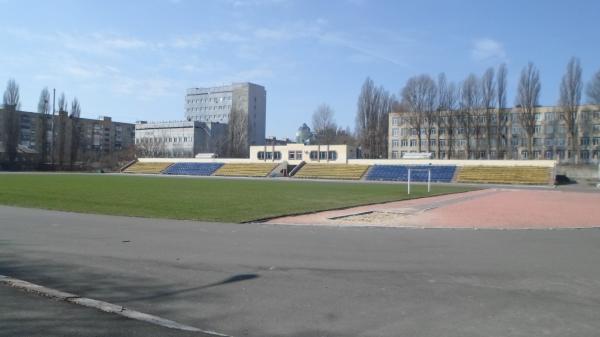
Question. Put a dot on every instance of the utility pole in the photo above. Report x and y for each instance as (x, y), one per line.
(53, 112)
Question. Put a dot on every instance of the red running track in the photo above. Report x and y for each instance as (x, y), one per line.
(491, 208)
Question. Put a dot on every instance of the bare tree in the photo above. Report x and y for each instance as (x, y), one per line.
(237, 135)
(75, 130)
(447, 98)
(488, 95)
(418, 96)
(11, 102)
(62, 128)
(501, 111)
(42, 126)
(12, 96)
(62, 102)
(344, 136)
(593, 89)
(528, 95)
(374, 106)
(570, 99)
(323, 124)
(469, 105)
(442, 110)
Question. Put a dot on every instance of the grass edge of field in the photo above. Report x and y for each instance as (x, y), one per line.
(458, 189)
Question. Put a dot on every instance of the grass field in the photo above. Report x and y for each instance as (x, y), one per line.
(225, 200)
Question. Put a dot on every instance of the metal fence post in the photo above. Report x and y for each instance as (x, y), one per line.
(409, 181)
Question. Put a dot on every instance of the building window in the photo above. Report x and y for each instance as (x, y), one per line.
(404, 142)
(269, 155)
(394, 154)
(413, 142)
(395, 132)
(585, 155)
(395, 142)
(548, 154)
(291, 155)
(585, 141)
(395, 121)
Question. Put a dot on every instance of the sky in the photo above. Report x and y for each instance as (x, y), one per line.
(133, 60)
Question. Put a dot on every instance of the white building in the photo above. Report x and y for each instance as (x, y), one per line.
(214, 105)
(178, 139)
(295, 153)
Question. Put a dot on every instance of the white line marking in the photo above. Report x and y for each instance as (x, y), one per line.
(100, 305)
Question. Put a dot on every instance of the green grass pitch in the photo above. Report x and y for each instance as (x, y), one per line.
(222, 200)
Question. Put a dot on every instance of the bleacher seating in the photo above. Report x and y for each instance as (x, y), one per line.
(193, 169)
(504, 175)
(418, 173)
(245, 170)
(147, 168)
(332, 171)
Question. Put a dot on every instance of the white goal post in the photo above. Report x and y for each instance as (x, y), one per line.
(428, 178)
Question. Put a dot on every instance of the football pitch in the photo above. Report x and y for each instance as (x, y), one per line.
(220, 200)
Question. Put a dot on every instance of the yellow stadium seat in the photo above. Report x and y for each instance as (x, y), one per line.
(531, 175)
(147, 168)
(245, 170)
(332, 171)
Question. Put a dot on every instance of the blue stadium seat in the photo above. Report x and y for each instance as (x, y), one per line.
(193, 169)
(400, 173)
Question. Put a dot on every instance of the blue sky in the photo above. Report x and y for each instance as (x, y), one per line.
(133, 60)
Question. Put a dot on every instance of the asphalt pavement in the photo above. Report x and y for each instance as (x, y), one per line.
(25, 314)
(269, 280)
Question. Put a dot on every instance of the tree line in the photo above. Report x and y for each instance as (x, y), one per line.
(51, 133)
(477, 105)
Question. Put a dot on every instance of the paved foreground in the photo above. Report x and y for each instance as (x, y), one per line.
(265, 280)
(23, 314)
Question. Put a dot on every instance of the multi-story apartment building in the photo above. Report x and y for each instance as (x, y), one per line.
(93, 139)
(179, 139)
(448, 137)
(215, 104)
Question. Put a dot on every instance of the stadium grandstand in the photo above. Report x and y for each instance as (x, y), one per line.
(337, 162)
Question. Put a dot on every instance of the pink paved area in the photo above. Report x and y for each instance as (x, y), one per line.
(489, 208)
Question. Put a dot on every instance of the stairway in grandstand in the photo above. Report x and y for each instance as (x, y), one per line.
(245, 170)
(332, 171)
(193, 169)
(504, 175)
(147, 168)
(443, 173)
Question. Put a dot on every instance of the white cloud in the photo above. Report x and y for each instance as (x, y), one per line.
(487, 49)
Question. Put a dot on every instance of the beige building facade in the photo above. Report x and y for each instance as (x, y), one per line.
(507, 139)
(294, 153)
